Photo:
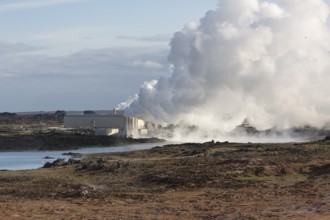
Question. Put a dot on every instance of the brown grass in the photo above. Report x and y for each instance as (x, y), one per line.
(190, 181)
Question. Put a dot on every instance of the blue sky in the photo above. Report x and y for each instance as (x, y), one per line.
(69, 25)
(85, 54)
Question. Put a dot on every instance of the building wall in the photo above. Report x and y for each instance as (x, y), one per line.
(94, 121)
(127, 126)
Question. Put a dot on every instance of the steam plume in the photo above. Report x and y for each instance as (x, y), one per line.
(265, 61)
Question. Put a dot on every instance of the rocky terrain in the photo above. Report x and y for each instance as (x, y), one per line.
(57, 140)
(186, 181)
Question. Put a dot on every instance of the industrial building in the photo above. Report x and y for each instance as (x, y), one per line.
(112, 123)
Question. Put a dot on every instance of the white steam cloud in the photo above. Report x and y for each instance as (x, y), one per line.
(265, 61)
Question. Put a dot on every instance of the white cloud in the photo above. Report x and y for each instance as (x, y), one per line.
(98, 78)
(69, 40)
(156, 38)
(101, 62)
(147, 64)
(70, 34)
(22, 5)
(14, 48)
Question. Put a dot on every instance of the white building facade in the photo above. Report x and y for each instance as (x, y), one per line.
(115, 123)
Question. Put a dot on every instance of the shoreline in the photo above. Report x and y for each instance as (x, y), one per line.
(27, 160)
(57, 142)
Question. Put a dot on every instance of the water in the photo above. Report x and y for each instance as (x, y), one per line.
(36, 159)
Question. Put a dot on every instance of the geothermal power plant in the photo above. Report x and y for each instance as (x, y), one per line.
(112, 123)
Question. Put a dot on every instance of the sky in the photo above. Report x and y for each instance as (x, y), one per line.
(85, 54)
